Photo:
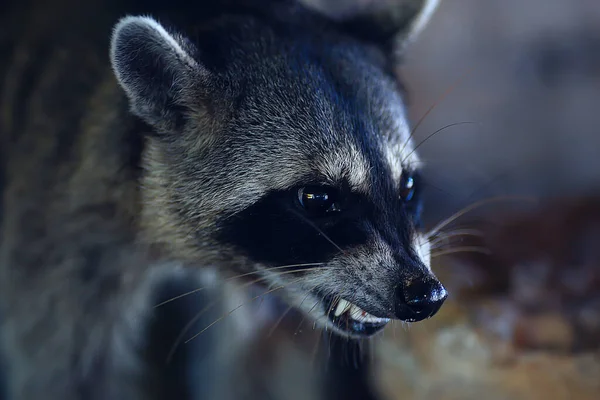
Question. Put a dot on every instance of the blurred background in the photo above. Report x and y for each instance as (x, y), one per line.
(528, 74)
(523, 322)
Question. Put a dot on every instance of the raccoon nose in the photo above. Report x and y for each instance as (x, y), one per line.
(417, 300)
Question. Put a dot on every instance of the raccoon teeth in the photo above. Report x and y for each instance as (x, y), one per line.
(357, 313)
(342, 307)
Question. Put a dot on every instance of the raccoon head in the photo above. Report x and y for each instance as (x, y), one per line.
(280, 148)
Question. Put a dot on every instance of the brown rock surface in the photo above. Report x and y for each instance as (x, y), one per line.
(534, 335)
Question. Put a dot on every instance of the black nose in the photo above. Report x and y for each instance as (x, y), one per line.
(419, 299)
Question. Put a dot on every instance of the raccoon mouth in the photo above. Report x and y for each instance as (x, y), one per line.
(352, 319)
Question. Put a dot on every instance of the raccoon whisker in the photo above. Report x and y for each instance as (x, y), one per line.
(487, 184)
(277, 274)
(309, 222)
(301, 322)
(313, 307)
(463, 249)
(237, 308)
(260, 303)
(209, 306)
(304, 316)
(317, 266)
(445, 246)
(308, 292)
(186, 328)
(426, 182)
(336, 300)
(436, 229)
(279, 320)
(315, 350)
(214, 302)
(433, 106)
(329, 346)
(435, 133)
(282, 316)
(459, 231)
(317, 345)
(451, 162)
(444, 236)
(495, 179)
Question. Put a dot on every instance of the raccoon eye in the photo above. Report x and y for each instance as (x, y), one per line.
(318, 200)
(407, 187)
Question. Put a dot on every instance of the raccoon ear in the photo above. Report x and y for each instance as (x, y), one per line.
(393, 24)
(157, 71)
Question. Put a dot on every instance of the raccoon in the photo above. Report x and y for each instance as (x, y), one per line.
(264, 140)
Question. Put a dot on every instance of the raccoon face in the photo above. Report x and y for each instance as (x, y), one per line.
(281, 147)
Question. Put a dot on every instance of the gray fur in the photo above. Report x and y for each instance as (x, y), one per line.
(88, 235)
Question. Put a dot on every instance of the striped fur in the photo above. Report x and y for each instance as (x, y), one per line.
(126, 170)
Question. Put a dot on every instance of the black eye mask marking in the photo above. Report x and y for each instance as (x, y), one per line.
(307, 224)
(277, 230)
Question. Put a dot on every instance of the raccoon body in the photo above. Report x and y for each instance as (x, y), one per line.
(187, 146)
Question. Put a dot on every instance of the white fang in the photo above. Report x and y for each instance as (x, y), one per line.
(357, 313)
